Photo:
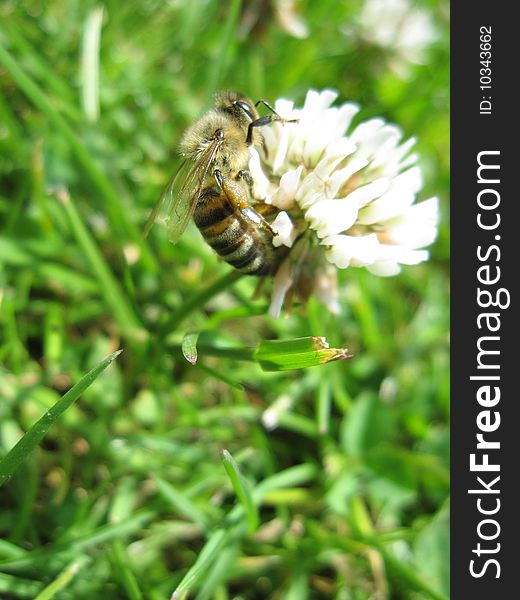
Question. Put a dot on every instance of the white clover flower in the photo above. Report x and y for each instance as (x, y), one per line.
(256, 14)
(347, 198)
(289, 18)
(404, 30)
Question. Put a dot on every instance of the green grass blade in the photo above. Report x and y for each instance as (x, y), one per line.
(218, 349)
(219, 572)
(102, 535)
(62, 580)
(227, 43)
(214, 546)
(189, 347)
(298, 353)
(220, 376)
(199, 299)
(62, 92)
(408, 575)
(16, 587)
(109, 287)
(124, 571)
(272, 355)
(10, 550)
(324, 406)
(299, 587)
(298, 423)
(235, 525)
(182, 503)
(36, 433)
(242, 490)
(90, 63)
(293, 476)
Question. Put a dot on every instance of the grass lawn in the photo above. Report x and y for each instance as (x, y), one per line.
(226, 479)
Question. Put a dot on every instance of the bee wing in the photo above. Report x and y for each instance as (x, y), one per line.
(179, 198)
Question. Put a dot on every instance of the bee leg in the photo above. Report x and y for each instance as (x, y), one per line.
(263, 212)
(247, 178)
(266, 211)
(219, 178)
(267, 105)
(266, 224)
(235, 193)
(266, 120)
(237, 198)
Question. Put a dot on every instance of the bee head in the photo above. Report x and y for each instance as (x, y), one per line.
(238, 105)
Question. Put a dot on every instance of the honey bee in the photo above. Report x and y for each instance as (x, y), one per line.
(213, 185)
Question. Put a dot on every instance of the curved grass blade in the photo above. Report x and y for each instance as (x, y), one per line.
(36, 433)
(242, 490)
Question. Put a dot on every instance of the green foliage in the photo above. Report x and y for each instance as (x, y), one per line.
(338, 482)
(20, 452)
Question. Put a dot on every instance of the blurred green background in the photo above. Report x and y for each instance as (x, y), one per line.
(127, 495)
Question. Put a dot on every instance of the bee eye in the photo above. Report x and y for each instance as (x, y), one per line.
(246, 108)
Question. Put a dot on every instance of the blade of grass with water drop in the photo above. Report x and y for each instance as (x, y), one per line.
(36, 433)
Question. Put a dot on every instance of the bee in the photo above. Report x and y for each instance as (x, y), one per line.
(213, 186)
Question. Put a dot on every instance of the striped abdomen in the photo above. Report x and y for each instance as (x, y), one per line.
(238, 235)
